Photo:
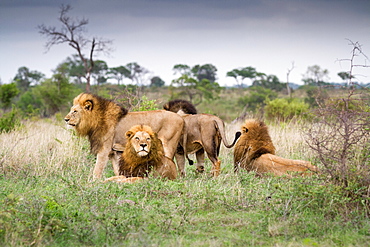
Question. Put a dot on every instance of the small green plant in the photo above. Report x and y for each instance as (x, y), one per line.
(284, 109)
(145, 104)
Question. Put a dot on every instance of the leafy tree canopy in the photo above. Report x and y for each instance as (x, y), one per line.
(26, 77)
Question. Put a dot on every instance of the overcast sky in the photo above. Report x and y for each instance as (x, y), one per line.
(157, 34)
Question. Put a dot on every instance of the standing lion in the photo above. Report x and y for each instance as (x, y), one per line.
(254, 151)
(203, 134)
(105, 123)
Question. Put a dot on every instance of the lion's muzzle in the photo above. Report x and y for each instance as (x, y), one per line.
(143, 149)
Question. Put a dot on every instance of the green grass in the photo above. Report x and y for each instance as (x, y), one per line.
(47, 199)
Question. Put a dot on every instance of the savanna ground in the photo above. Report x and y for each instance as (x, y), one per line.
(47, 198)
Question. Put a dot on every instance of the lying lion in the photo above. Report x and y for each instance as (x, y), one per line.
(254, 151)
(104, 122)
(203, 133)
(143, 155)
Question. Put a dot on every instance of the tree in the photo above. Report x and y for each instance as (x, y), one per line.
(136, 73)
(196, 90)
(72, 33)
(75, 68)
(118, 73)
(270, 81)
(339, 135)
(315, 76)
(206, 71)
(99, 71)
(7, 93)
(242, 73)
(193, 88)
(181, 69)
(345, 76)
(156, 82)
(25, 78)
(287, 79)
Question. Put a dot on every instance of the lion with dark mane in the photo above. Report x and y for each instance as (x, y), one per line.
(255, 151)
(104, 122)
(143, 155)
(203, 133)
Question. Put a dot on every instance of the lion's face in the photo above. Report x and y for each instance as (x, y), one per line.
(73, 118)
(140, 141)
(80, 107)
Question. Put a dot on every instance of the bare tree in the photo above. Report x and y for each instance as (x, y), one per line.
(356, 52)
(72, 33)
(287, 79)
(340, 137)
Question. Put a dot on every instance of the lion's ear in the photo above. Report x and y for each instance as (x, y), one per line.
(244, 129)
(88, 105)
(129, 134)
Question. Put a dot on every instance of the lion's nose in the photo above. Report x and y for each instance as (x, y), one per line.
(143, 145)
(66, 119)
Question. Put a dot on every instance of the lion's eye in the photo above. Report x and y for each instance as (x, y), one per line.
(137, 138)
(148, 139)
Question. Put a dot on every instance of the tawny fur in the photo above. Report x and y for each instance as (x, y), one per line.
(105, 122)
(203, 133)
(132, 165)
(255, 151)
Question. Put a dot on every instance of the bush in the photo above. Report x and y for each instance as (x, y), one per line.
(9, 121)
(257, 97)
(340, 137)
(7, 93)
(315, 95)
(284, 109)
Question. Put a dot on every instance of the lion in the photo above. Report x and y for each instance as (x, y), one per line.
(143, 155)
(203, 133)
(255, 151)
(177, 105)
(104, 122)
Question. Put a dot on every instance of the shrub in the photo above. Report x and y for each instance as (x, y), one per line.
(7, 93)
(257, 97)
(145, 104)
(340, 138)
(315, 95)
(9, 121)
(284, 109)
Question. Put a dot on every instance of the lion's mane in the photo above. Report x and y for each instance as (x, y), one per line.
(132, 165)
(179, 104)
(254, 151)
(254, 141)
(102, 115)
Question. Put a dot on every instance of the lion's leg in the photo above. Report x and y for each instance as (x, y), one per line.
(180, 160)
(212, 152)
(200, 160)
(114, 157)
(101, 161)
(216, 168)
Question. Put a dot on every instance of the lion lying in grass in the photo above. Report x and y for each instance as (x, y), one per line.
(143, 156)
(254, 151)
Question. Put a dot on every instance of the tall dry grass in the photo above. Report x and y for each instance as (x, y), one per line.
(43, 148)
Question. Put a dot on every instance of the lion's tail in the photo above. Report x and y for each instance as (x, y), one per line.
(221, 129)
